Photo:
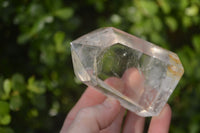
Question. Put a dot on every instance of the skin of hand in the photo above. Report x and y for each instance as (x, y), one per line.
(94, 113)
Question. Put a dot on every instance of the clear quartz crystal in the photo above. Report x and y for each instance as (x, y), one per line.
(139, 74)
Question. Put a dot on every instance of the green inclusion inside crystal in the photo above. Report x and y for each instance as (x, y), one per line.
(113, 61)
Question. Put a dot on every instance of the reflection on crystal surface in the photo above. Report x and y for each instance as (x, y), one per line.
(142, 75)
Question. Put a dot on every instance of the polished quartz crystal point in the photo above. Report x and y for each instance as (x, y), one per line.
(139, 74)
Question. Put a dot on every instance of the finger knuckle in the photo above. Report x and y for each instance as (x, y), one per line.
(85, 112)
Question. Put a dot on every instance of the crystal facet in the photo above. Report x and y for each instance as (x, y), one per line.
(139, 74)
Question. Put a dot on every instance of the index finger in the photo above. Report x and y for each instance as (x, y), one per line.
(161, 123)
(89, 98)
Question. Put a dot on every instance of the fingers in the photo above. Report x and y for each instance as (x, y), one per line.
(115, 127)
(116, 124)
(161, 123)
(133, 84)
(116, 83)
(133, 123)
(89, 98)
(93, 119)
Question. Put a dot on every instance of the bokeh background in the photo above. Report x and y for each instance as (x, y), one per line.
(37, 83)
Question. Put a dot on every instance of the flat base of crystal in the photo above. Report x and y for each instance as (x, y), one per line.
(139, 74)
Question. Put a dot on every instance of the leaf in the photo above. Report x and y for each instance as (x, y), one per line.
(54, 109)
(156, 22)
(116, 19)
(183, 4)
(40, 23)
(18, 83)
(15, 102)
(36, 27)
(7, 85)
(171, 23)
(58, 39)
(164, 6)
(192, 11)
(196, 43)
(23, 38)
(187, 58)
(4, 108)
(64, 13)
(149, 8)
(157, 39)
(48, 54)
(35, 86)
(187, 21)
(5, 119)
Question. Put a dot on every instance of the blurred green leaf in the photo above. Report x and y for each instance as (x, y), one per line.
(149, 8)
(171, 23)
(116, 19)
(192, 11)
(54, 109)
(183, 4)
(40, 23)
(58, 39)
(48, 54)
(194, 124)
(187, 21)
(35, 86)
(158, 40)
(7, 85)
(4, 108)
(5, 119)
(164, 6)
(23, 38)
(18, 83)
(196, 43)
(37, 27)
(64, 13)
(157, 24)
(15, 103)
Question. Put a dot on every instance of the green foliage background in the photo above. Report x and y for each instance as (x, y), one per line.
(37, 83)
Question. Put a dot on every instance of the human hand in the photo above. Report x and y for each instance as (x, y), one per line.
(95, 113)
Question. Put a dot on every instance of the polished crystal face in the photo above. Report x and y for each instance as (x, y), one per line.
(139, 74)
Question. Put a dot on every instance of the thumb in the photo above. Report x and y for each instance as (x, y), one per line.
(93, 119)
